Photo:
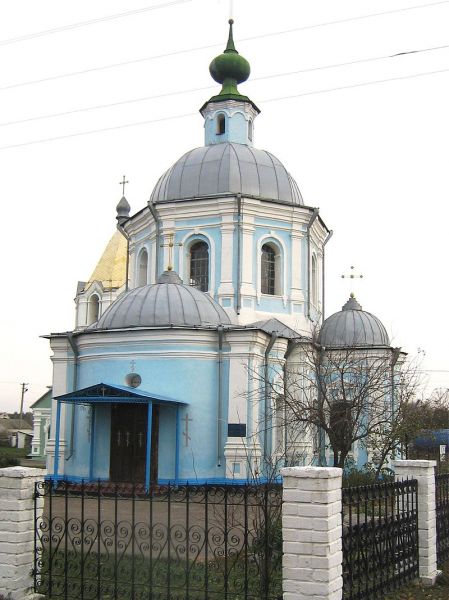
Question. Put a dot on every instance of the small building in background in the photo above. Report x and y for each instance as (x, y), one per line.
(41, 410)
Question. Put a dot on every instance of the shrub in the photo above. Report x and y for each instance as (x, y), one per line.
(7, 461)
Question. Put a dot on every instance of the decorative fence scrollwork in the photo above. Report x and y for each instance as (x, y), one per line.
(116, 542)
(442, 510)
(380, 538)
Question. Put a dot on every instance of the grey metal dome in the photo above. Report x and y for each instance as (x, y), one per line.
(351, 327)
(227, 168)
(167, 302)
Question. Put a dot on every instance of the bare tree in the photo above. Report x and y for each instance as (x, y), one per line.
(347, 397)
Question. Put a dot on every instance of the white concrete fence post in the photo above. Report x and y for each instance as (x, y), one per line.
(17, 530)
(312, 533)
(424, 472)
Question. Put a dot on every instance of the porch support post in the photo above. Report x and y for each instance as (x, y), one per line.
(177, 446)
(148, 459)
(58, 427)
(92, 441)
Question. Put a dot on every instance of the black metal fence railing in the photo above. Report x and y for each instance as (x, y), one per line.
(442, 516)
(380, 538)
(116, 542)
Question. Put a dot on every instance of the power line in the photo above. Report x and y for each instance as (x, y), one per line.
(104, 129)
(36, 34)
(170, 118)
(211, 46)
(210, 87)
(355, 85)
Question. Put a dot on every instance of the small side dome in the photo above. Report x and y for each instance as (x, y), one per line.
(166, 303)
(123, 209)
(353, 327)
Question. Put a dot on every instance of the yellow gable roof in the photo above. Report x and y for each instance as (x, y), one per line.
(111, 268)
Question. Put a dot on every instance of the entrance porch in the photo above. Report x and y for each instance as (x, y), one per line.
(135, 423)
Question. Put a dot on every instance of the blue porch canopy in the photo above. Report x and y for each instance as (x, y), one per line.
(104, 393)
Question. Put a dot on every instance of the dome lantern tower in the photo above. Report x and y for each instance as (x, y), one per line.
(229, 116)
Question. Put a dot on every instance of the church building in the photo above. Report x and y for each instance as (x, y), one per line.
(200, 296)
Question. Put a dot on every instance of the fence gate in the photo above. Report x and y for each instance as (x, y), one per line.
(117, 542)
(380, 538)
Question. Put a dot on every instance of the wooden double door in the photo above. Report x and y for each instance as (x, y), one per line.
(129, 428)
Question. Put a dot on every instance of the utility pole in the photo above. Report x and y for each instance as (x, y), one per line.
(24, 389)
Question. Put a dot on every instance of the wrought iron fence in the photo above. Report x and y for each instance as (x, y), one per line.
(442, 516)
(117, 542)
(380, 538)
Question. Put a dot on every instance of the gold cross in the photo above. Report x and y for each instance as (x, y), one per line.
(170, 245)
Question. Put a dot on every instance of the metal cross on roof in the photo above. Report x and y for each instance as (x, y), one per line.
(123, 183)
(170, 244)
(352, 275)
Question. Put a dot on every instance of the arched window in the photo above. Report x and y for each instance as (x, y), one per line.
(314, 282)
(269, 271)
(93, 309)
(199, 266)
(221, 124)
(250, 130)
(142, 276)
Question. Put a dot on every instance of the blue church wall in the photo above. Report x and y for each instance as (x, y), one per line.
(272, 304)
(193, 381)
(236, 128)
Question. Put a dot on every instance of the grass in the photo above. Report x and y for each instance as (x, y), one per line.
(416, 591)
(184, 578)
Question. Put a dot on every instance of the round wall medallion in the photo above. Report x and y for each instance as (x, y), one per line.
(133, 380)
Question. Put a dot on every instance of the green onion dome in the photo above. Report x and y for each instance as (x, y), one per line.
(229, 69)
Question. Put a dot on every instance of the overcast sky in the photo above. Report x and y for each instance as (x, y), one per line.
(373, 158)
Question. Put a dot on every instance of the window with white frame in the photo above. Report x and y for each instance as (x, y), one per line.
(199, 265)
(93, 309)
(314, 282)
(270, 270)
(221, 124)
(142, 268)
(250, 130)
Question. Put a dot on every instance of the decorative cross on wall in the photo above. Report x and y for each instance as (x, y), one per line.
(185, 433)
(170, 244)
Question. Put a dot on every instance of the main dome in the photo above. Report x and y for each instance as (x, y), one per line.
(227, 168)
(165, 303)
(353, 327)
